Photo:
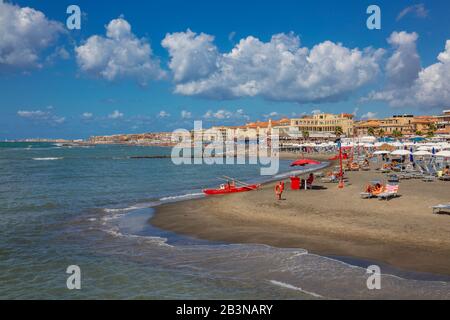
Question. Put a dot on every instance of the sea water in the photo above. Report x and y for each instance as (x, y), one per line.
(91, 206)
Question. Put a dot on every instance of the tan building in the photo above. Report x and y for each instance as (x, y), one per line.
(405, 124)
(325, 123)
(443, 123)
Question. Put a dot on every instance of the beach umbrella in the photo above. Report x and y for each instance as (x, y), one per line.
(387, 147)
(422, 153)
(381, 152)
(445, 154)
(401, 152)
(304, 162)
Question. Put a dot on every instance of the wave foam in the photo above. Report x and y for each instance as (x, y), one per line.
(289, 286)
(47, 159)
(181, 197)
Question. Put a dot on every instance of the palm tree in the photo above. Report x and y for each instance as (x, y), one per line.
(419, 133)
(397, 134)
(371, 132)
(338, 131)
(305, 134)
(431, 130)
(381, 132)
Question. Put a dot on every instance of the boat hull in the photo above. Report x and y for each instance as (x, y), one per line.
(231, 190)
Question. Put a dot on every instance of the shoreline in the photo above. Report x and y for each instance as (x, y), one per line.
(396, 235)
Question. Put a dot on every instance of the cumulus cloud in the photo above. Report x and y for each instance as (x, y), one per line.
(186, 114)
(276, 70)
(418, 10)
(87, 115)
(41, 116)
(116, 115)
(163, 114)
(24, 34)
(193, 56)
(403, 66)
(223, 114)
(369, 115)
(119, 54)
(420, 87)
(272, 114)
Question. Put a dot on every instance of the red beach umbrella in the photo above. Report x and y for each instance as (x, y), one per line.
(304, 162)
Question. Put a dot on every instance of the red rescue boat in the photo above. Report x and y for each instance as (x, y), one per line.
(225, 189)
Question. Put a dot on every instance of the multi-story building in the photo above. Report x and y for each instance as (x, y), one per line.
(403, 124)
(443, 123)
(325, 124)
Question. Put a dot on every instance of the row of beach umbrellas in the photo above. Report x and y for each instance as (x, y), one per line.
(404, 152)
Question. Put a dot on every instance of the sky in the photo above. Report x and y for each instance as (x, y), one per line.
(141, 66)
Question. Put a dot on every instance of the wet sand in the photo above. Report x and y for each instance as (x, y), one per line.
(402, 232)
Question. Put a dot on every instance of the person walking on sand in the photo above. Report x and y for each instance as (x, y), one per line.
(279, 188)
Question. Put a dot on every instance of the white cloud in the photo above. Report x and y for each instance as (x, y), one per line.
(163, 114)
(32, 114)
(219, 114)
(87, 115)
(223, 114)
(272, 115)
(42, 116)
(425, 88)
(186, 114)
(277, 70)
(316, 111)
(116, 115)
(24, 34)
(403, 66)
(59, 120)
(192, 56)
(119, 55)
(418, 10)
(369, 115)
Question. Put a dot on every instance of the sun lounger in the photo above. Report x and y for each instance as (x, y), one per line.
(441, 208)
(428, 178)
(330, 180)
(391, 191)
(366, 195)
(445, 178)
(393, 178)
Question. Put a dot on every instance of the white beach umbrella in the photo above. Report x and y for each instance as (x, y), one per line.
(381, 152)
(401, 152)
(422, 153)
(424, 148)
(445, 154)
(396, 144)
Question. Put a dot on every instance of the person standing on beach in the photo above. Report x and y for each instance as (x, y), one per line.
(279, 188)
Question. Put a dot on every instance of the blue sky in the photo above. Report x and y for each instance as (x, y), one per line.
(218, 61)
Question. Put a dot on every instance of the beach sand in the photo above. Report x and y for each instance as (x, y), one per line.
(402, 232)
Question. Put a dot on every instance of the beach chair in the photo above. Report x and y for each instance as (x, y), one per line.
(393, 178)
(391, 191)
(444, 178)
(319, 174)
(332, 179)
(441, 208)
(425, 175)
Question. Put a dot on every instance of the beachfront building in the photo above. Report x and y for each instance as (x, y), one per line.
(324, 125)
(397, 125)
(443, 123)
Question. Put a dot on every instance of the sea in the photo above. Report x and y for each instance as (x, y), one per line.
(91, 207)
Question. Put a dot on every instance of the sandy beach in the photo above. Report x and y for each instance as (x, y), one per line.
(402, 232)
